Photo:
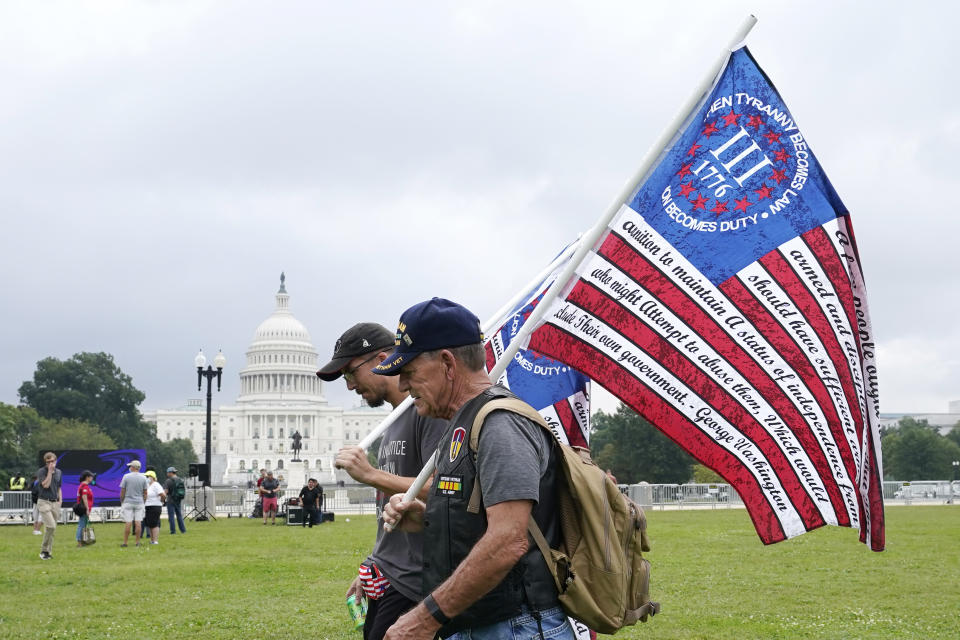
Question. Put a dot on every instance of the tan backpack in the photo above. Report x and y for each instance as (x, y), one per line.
(599, 569)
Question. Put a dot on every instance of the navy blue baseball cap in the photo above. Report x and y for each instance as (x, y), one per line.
(435, 324)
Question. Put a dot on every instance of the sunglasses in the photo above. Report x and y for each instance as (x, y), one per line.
(349, 375)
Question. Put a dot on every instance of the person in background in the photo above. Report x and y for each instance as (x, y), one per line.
(310, 497)
(175, 490)
(34, 496)
(263, 476)
(84, 495)
(153, 506)
(133, 492)
(268, 489)
(17, 482)
(144, 529)
(49, 500)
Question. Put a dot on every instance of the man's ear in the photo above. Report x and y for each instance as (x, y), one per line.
(381, 357)
(449, 363)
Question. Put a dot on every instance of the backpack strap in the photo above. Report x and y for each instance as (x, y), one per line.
(515, 405)
(519, 407)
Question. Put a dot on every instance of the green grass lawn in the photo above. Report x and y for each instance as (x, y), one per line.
(237, 579)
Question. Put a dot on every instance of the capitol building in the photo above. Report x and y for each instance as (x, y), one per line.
(280, 394)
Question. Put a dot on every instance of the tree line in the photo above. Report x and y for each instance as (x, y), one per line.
(84, 402)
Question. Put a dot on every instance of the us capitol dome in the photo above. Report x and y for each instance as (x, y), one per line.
(280, 393)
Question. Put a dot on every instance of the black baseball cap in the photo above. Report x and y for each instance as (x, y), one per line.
(434, 324)
(358, 340)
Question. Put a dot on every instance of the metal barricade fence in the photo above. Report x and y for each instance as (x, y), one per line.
(683, 496)
(16, 506)
(921, 492)
(240, 502)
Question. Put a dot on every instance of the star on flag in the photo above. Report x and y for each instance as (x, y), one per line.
(686, 189)
(730, 119)
(741, 205)
(772, 137)
(699, 202)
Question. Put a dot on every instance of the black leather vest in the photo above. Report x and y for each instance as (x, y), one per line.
(451, 532)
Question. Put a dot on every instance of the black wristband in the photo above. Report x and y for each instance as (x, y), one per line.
(434, 609)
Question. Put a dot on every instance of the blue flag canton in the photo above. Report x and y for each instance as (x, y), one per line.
(740, 179)
(538, 380)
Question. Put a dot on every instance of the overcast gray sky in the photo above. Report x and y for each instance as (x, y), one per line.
(162, 162)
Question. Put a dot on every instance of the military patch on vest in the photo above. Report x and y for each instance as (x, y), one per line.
(459, 434)
(450, 486)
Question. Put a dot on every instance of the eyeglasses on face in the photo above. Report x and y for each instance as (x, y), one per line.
(350, 374)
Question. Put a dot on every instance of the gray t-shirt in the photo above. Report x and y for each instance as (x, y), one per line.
(135, 483)
(270, 486)
(407, 444)
(51, 493)
(513, 453)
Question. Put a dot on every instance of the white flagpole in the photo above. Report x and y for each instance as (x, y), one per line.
(491, 325)
(588, 241)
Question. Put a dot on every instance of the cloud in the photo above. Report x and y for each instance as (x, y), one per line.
(163, 162)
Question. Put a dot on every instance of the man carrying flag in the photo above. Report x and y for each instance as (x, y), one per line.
(391, 575)
(481, 575)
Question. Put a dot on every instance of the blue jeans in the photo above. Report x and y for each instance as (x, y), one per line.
(553, 622)
(173, 508)
(82, 521)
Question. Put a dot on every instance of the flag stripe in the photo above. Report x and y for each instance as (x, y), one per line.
(571, 424)
(840, 236)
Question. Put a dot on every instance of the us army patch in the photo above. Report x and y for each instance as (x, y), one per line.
(450, 486)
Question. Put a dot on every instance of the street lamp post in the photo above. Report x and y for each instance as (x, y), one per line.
(219, 362)
(956, 470)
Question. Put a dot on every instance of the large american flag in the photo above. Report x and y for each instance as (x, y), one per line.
(726, 304)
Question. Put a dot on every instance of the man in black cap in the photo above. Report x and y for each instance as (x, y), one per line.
(404, 448)
(482, 576)
(175, 489)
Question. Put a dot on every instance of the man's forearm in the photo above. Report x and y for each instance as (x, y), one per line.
(391, 484)
(500, 548)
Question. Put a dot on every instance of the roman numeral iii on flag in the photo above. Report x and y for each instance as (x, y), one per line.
(724, 301)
